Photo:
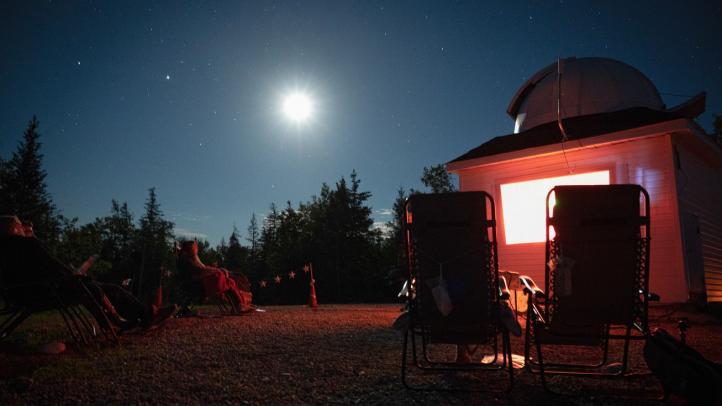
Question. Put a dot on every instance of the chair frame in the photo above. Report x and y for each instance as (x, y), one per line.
(81, 327)
(225, 307)
(541, 307)
(420, 355)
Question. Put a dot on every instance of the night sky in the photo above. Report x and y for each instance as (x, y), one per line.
(186, 96)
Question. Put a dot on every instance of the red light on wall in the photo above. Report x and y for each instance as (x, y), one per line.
(524, 204)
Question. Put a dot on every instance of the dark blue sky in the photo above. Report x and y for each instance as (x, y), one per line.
(185, 96)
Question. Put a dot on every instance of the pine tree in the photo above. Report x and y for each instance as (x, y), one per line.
(237, 254)
(269, 240)
(222, 250)
(341, 240)
(253, 235)
(396, 225)
(118, 235)
(24, 190)
(154, 244)
(254, 239)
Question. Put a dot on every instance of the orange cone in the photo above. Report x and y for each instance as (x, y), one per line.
(312, 302)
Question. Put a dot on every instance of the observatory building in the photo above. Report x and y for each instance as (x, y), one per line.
(601, 121)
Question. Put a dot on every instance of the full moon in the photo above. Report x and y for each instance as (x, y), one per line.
(297, 107)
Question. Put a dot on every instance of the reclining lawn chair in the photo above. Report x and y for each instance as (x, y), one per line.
(454, 294)
(192, 292)
(596, 276)
(21, 301)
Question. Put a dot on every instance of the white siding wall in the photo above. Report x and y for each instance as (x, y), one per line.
(700, 193)
(646, 161)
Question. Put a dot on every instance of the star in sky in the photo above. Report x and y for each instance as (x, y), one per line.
(292, 275)
(277, 279)
(306, 268)
(263, 283)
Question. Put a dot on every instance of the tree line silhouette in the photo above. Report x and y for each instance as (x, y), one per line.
(353, 261)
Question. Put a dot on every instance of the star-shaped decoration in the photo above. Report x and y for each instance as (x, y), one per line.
(263, 283)
(306, 268)
(277, 279)
(292, 275)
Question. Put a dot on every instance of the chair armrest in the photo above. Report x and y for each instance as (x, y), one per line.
(404, 292)
(503, 289)
(530, 287)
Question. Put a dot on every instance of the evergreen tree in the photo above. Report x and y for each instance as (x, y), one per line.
(396, 240)
(269, 234)
(333, 231)
(291, 245)
(436, 178)
(118, 235)
(222, 251)
(254, 248)
(235, 259)
(361, 220)
(395, 245)
(342, 241)
(154, 244)
(24, 190)
(254, 236)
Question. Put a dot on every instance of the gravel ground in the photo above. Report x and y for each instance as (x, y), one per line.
(340, 354)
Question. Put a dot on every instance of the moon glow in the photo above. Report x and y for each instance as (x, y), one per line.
(297, 107)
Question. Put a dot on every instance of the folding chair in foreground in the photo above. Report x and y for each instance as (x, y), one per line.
(455, 293)
(596, 276)
(22, 301)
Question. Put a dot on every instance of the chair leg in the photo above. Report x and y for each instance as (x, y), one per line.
(104, 323)
(90, 327)
(86, 322)
(527, 336)
(12, 322)
(507, 352)
(404, 355)
(109, 331)
(541, 364)
(234, 307)
(504, 358)
(67, 318)
(84, 328)
(413, 350)
(625, 357)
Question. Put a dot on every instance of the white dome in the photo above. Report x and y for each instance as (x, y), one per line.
(589, 86)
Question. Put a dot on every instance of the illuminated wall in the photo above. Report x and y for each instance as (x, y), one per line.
(524, 204)
(646, 161)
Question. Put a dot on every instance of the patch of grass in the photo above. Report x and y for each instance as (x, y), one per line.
(38, 329)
